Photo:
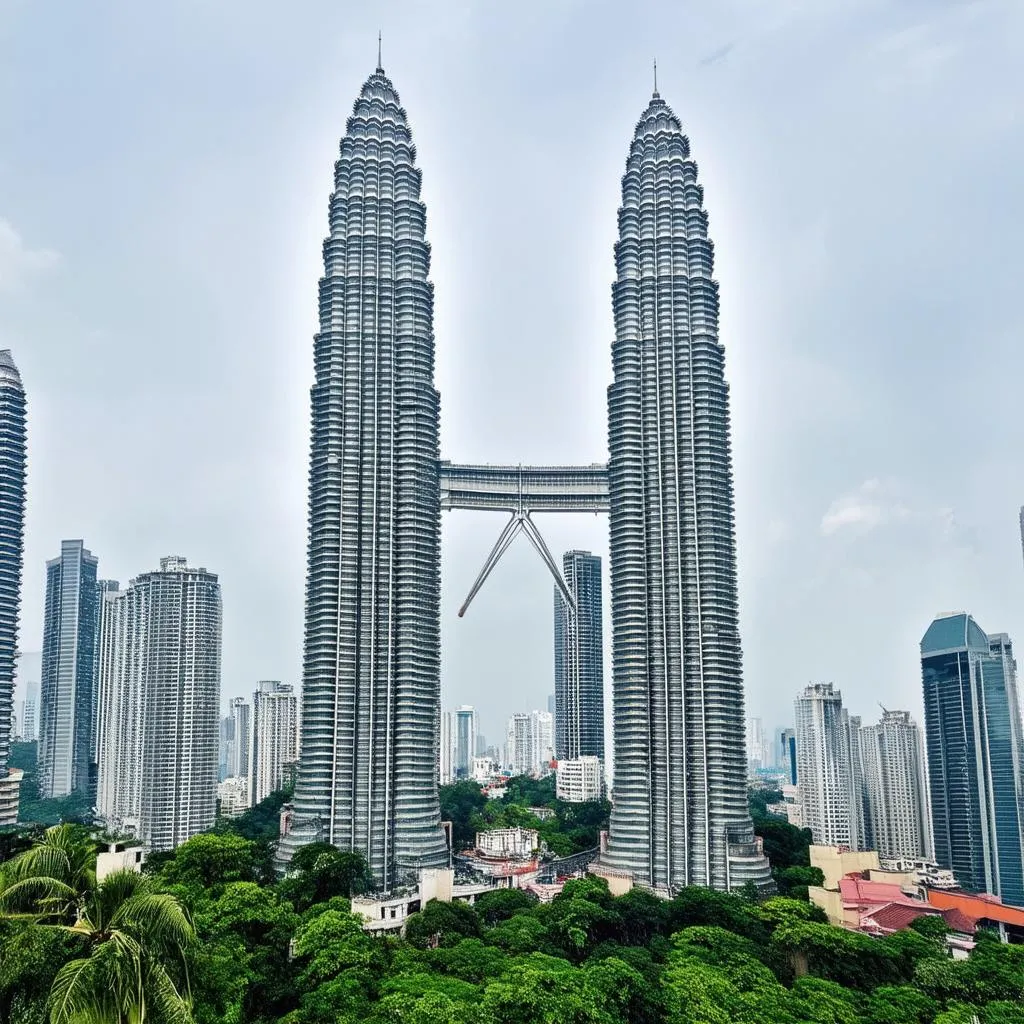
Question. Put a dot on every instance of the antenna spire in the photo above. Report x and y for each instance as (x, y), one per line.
(655, 76)
(380, 66)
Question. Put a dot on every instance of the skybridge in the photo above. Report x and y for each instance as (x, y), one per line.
(520, 491)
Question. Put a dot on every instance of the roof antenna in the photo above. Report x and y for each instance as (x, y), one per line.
(379, 65)
(655, 76)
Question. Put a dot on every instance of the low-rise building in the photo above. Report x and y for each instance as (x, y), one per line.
(118, 857)
(233, 794)
(836, 862)
(579, 779)
(508, 842)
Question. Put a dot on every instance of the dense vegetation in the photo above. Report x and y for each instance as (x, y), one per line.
(572, 828)
(208, 935)
(38, 810)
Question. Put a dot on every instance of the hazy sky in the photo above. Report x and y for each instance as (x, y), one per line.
(164, 175)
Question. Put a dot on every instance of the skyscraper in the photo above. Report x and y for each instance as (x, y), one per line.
(679, 812)
(66, 713)
(464, 738)
(973, 739)
(119, 718)
(371, 673)
(579, 660)
(274, 737)
(160, 696)
(240, 745)
(830, 781)
(898, 823)
(521, 745)
(12, 538)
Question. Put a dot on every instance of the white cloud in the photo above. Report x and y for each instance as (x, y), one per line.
(17, 261)
(864, 509)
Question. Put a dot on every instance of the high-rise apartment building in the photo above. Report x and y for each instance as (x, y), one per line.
(12, 538)
(973, 739)
(897, 823)
(827, 750)
(275, 737)
(28, 720)
(160, 644)
(119, 718)
(102, 587)
(579, 779)
(579, 660)
(226, 749)
(464, 739)
(757, 745)
(240, 745)
(529, 746)
(371, 670)
(66, 710)
(679, 808)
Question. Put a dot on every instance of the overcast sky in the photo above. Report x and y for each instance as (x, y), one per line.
(164, 175)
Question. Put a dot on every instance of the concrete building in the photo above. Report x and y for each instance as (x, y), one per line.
(579, 780)
(898, 823)
(828, 769)
(239, 747)
(275, 736)
(160, 679)
(579, 659)
(233, 795)
(13, 441)
(529, 743)
(508, 842)
(67, 714)
(973, 740)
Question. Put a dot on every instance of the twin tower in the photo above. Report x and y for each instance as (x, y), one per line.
(367, 776)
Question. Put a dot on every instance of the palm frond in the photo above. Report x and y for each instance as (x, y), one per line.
(77, 997)
(42, 859)
(166, 1004)
(158, 920)
(107, 899)
(41, 894)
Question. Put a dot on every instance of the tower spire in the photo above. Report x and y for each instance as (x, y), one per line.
(380, 66)
(655, 76)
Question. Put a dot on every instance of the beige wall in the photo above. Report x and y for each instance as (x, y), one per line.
(835, 862)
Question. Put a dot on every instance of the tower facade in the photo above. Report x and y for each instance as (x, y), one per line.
(67, 704)
(898, 823)
(679, 811)
(973, 740)
(12, 540)
(240, 743)
(275, 711)
(579, 660)
(367, 779)
(828, 771)
(159, 701)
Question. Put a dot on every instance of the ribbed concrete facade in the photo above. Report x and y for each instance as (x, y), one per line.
(12, 539)
(679, 813)
(579, 660)
(371, 675)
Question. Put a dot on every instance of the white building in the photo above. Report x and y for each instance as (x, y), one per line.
(758, 747)
(275, 737)
(579, 780)
(828, 768)
(529, 747)
(508, 842)
(233, 794)
(898, 822)
(239, 746)
(458, 743)
(159, 705)
(484, 769)
(119, 858)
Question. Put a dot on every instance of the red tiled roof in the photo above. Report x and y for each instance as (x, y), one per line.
(860, 892)
(959, 921)
(894, 917)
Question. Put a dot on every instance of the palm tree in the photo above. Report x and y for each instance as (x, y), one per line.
(135, 939)
(50, 881)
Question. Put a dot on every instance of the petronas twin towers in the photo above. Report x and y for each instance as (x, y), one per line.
(371, 685)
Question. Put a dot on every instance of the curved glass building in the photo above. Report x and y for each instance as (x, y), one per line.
(679, 810)
(12, 536)
(371, 677)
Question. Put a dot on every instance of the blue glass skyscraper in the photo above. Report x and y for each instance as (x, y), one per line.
(973, 740)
